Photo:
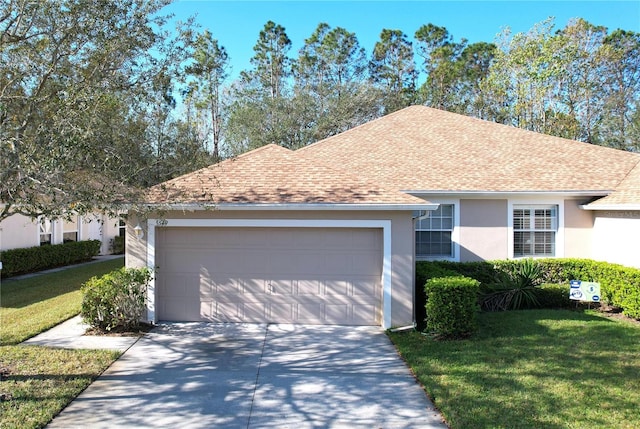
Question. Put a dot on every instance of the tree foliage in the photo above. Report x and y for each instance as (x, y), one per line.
(392, 68)
(209, 70)
(99, 99)
(72, 74)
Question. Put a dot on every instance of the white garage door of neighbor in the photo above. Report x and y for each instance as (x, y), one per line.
(278, 275)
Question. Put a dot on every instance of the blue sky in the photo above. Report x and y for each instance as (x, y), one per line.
(236, 24)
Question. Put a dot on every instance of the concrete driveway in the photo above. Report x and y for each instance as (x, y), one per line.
(203, 375)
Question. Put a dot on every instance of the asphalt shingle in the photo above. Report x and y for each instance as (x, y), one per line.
(425, 149)
(274, 175)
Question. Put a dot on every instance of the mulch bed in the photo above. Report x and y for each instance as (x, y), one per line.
(142, 329)
(615, 313)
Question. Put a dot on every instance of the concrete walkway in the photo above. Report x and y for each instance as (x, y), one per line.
(70, 335)
(205, 375)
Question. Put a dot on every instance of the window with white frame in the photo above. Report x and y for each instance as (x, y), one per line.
(45, 231)
(434, 233)
(534, 230)
(70, 229)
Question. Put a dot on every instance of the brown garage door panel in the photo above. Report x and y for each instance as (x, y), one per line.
(286, 275)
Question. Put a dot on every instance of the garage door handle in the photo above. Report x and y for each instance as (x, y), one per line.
(271, 288)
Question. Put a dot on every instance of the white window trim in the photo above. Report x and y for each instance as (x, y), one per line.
(78, 229)
(559, 245)
(455, 234)
(385, 225)
(53, 230)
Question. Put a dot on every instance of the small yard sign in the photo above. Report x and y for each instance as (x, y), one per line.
(584, 291)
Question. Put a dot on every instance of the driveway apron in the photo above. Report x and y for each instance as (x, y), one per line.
(205, 375)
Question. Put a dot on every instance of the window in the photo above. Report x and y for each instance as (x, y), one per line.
(45, 231)
(70, 229)
(434, 232)
(534, 230)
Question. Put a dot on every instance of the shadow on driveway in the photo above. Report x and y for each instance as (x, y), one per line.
(204, 375)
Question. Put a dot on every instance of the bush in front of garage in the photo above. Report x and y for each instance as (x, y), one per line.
(32, 259)
(116, 301)
(452, 305)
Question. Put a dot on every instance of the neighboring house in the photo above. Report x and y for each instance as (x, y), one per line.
(330, 233)
(20, 231)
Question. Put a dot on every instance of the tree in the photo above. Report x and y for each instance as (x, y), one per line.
(392, 68)
(439, 53)
(579, 83)
(620, 53)
(580, 78)
(474, 61)
(332, 69)
(270, 61)
(71, 76)
(209, 70)
(260, 111)
(519, 88)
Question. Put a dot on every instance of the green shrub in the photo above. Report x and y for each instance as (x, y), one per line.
(514, 289)
(116, 245)
(426, 270)
(452, 304)
(32, 259)
(116, 300)
(553, 295)
(619, 285)
(630, 301)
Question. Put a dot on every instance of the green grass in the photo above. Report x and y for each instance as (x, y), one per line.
(38, 382)
(533, 369)
(44, 380)
(33, 305)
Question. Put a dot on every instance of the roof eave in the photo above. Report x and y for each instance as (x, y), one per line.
(507, 194)
(612, 207)
(294, 206)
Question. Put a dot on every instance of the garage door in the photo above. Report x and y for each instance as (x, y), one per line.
(280, 275)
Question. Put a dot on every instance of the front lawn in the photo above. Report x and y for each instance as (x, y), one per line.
(533, 369)
(38, 382)
(33, 305)
(42, 381)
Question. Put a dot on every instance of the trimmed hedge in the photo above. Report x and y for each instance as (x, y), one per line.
(554, 295)
(32, 259)
(452, 304)
(619, 285)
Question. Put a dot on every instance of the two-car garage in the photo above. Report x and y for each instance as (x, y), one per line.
(315, 273)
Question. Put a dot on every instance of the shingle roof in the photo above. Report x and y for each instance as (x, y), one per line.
(425, 149)
(627, 193)
(416, 149)
(274, 175)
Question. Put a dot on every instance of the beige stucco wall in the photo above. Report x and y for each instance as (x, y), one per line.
(402, 245)
(110, 229)
(18, 231)
(616, 237)
(578, 230)
(483, 230)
